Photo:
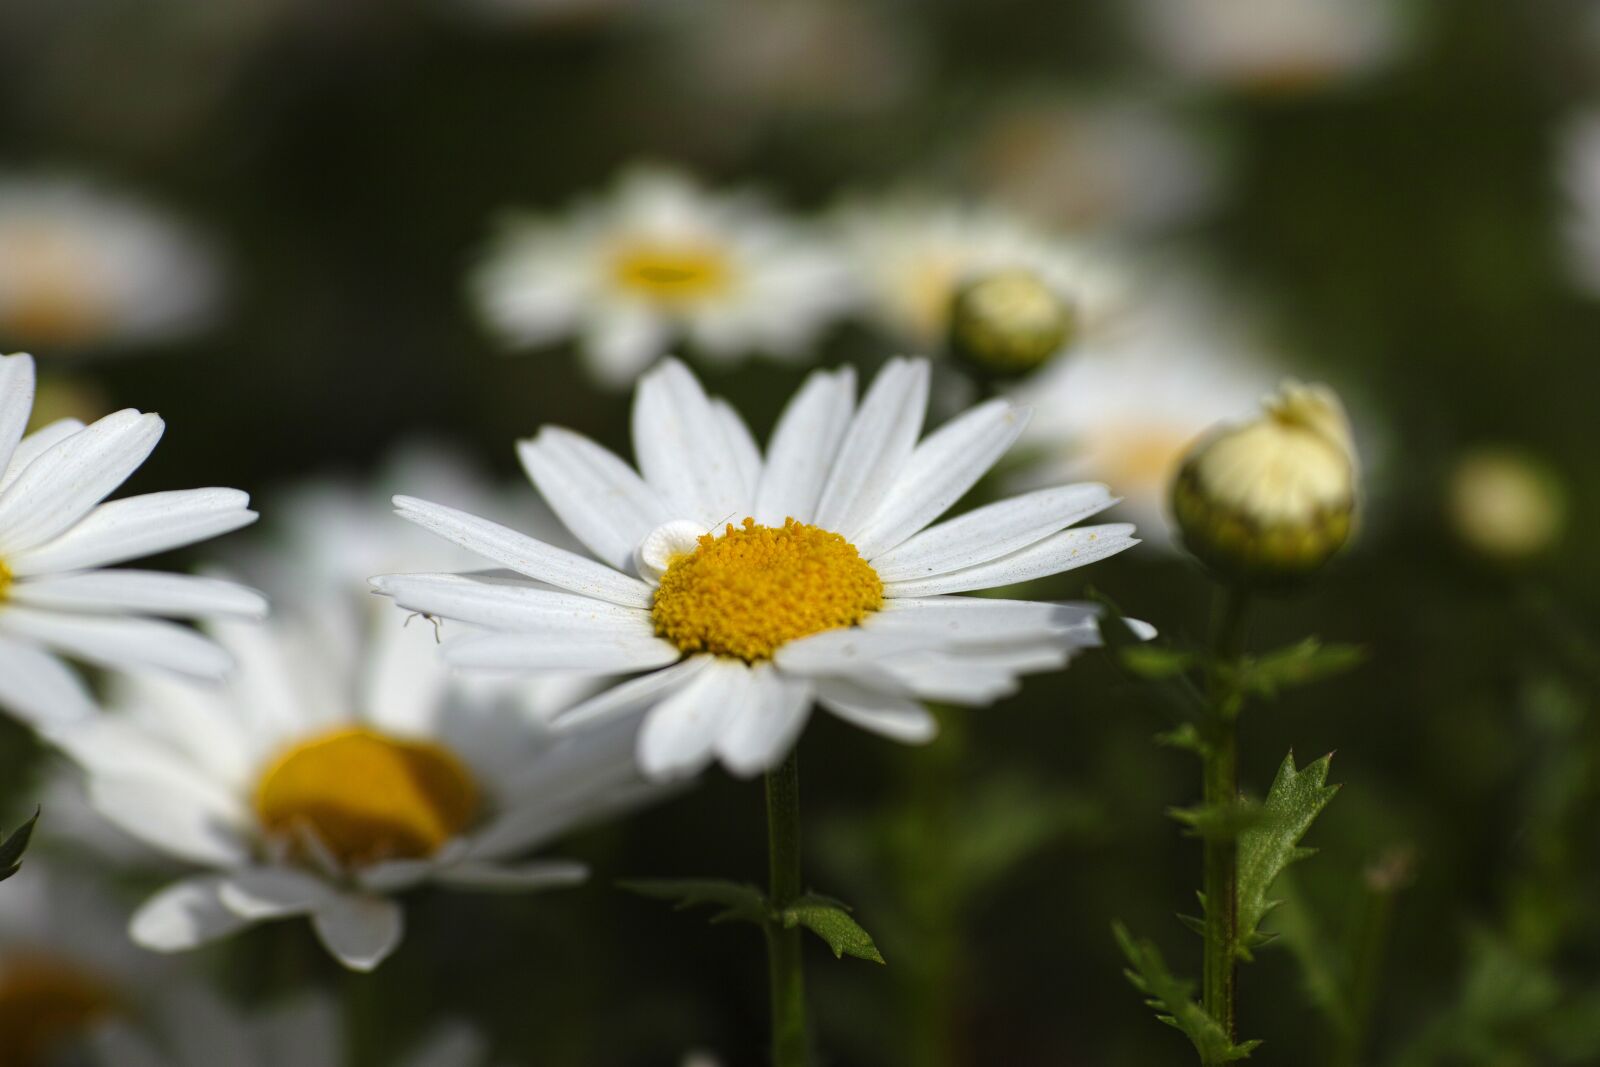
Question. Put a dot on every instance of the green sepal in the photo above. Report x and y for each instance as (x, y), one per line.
(830, 920)
(1174, 1004)
(12, 848)
(735, 901)
(1299, 664)
(1219, 822)
(1293, 802)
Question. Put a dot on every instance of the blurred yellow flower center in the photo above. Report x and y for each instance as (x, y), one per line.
(368, 797)
(669, 272)
(48, 301)
(1142, 456)
(43, 1003)
(5, 579)
(746, 593)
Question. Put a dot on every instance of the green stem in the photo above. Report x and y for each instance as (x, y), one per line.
(785, 965)
(1371, 938)
(1220, 785)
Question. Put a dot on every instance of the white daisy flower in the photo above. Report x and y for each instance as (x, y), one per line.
(57, 535)
(1125, 412)
(1271, 45)
(1579, 173)
(914, 254)
(82, 268)
(325, 777)
(658, 262)
(741, 589)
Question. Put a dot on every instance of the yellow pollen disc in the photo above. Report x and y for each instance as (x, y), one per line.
(49, 302)
(5, 579)
(369, 797)
(671, 273)
(746, 593)
(43, 1004)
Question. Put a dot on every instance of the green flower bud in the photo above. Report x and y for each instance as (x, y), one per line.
(1269, 501)
(1506, 505)
(1009, 323)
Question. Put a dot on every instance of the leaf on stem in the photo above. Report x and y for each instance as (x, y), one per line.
(1293, 802)
(12, 847)
(1173, 1001)
(1299, 664)
(1219, 822)
(830, 920)
(735, 901)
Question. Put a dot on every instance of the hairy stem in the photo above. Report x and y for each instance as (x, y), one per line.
(1220, 785)
(785, 965)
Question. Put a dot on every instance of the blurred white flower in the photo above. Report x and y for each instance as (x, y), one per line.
(657, 262)
(1579, 173)
(57, 537)
(1271, 46)
(913, 253)
(84, 269)
(331, 773)
(1124, 412)
(833, 590)
(1507, 504)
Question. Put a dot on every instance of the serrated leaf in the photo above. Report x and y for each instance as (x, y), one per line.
(1219, 822)
(1293, 802)
(12, 848)
(738, 902)
(1299, 664)
(831, 921)
(1173, 1001)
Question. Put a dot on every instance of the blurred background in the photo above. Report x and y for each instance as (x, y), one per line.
(260, 218)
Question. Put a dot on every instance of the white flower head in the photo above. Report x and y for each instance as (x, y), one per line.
(914, 254)
(658, 261)
(1579, 173)
(57, 536)
(81, 268)
(740, 589)
(1271, 46)
(330, 774)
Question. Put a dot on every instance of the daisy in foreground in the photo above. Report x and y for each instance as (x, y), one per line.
(56, 534)
(661, 261)
(328, 776)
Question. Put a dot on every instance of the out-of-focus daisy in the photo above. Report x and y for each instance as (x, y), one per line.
(1579, 172)
(81, 268)
(56, 537)
(1507, 504)
(914, 254)
(1271, 46)
(742, 589)
(658, 261)
(1084, 164)
(330, 774)
(1125, 412)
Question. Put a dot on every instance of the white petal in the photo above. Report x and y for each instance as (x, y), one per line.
(538, 874)
(259, 893)
(404, 677)
(747, 457)
(448, 1045)
(360, 931)
(117, 1041)
(991, 532)
(680, 733)
(36, 444)
(183, 916)
(899, 718)
(142, 592)
(1057, 553)
(989, 620)
(173, 818)
(59, 488)
(682, 448)
(803, 447)
(16, 403)
(576, 652)
(875, 448)
(621, 342)
(120, 642)
(525, 555)
(939, 473)
(632, 695)
(598, 496)
(40, 689)
(761, 734)
(503, 604)
(139, 526)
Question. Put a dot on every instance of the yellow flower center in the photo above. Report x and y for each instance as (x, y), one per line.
(746, 593)
(43, 1004)
(671, 273)
(5, 579)
(367, 796)
(50, 302)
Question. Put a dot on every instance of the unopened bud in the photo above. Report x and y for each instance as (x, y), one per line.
(1009, 323)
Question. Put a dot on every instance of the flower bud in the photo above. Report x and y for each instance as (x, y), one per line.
(1009, 323)
(1269, 501)
(1506, 505)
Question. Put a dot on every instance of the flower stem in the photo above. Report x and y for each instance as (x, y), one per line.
(785, 965)
(1220, 785)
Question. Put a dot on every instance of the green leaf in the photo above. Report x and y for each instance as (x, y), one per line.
(12, 848)
(831, 921)
(1155, 662)
(1185, 736)
(735, 901)
(1293, 802)
(1174, 1004)
(1219, 822)
(1299, 664)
